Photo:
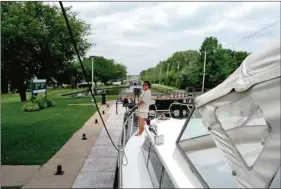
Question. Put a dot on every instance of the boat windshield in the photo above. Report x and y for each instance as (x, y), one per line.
(243, 122)
(195, 126)
(203, 155)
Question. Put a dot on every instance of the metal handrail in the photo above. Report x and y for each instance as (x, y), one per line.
(121, 146)
(125, 123)
(156, 110)
(132, 122)
(177, 104)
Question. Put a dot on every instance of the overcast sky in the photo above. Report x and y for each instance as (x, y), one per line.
(140, 34)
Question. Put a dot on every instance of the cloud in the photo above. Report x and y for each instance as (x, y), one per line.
(246, 8)
(140, 34)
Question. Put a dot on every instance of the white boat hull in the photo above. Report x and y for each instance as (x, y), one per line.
(134, 171)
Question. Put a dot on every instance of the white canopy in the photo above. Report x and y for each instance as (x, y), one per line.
(260, 66)
(252, 92)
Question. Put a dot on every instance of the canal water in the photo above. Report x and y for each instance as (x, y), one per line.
(115, 91)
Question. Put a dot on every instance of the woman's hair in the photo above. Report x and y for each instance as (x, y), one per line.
(148, 83)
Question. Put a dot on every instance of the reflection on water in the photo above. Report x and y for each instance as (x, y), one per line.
(97, 92)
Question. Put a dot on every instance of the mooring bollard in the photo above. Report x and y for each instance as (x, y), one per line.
(103, 112)
(108, 105)
(84, 137)
(59, 170)
(96, 121)
(103, 101)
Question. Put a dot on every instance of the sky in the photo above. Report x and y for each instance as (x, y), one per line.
(141, 34)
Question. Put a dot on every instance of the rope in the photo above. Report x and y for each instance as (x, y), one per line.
(83, 70)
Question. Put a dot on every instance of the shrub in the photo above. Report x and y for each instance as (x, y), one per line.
(31, 107)
(41, 101)
(50, 102)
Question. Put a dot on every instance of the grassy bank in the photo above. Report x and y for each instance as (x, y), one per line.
(162, 89)
(32, 138)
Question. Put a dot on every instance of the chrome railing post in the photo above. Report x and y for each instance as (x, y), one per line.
(119, 167)
(131, 129)
(124, 137)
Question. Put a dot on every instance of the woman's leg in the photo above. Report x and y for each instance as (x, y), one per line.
(141, 124)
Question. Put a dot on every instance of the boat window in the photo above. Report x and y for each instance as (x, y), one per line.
(204, 156)
(195, 127)
(146, 149)
(166, 182)
(155, 168)
(244, 122)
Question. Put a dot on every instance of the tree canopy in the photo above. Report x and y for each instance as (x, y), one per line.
(35, 42)
(185, 68)
(104, 69)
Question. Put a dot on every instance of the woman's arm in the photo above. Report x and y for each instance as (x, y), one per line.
(140, 103)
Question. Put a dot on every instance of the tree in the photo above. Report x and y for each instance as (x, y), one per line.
(35, 41)
(142, 74)
(104, 69)
(220, 63)
(210, 44)
(71, 75)
(183, 59)
(119, 72)
(215, 58)
(239, 57)
(148, 75)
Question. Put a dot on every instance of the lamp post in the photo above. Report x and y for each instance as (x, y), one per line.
(92, 58)
(160, 75)
(204, 72)
(167, 70)
(154, 73)
(178, 74)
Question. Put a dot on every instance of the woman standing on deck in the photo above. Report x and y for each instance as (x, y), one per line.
(143, 105)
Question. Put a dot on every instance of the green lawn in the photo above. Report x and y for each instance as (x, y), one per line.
(32, 138)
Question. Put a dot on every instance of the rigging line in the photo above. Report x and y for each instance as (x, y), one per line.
(83, 70)
(255, 33)
(247, 42)
(150, 148)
